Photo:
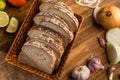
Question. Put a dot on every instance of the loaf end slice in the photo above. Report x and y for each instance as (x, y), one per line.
(39, 56)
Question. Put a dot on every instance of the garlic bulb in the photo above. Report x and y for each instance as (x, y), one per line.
(95, 64)
(81, 73)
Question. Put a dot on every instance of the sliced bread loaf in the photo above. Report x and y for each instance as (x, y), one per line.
(53, 22)
(38, 55)
(62, 12)
(48, 38)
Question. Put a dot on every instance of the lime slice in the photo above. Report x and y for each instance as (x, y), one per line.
(2, 4)
(4, 19)
(13, 25)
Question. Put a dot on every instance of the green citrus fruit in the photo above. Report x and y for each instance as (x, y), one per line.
(13, 25)
(4, 19)
(2, 4)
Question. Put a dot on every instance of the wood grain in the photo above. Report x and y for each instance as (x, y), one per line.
(84, 45)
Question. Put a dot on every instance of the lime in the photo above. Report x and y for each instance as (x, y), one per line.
(2, 4)
(13, 25)
(4, 19)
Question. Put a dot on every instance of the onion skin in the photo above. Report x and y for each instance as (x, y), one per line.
(109, 17)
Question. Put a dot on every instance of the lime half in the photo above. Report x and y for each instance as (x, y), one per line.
(13, 25)
(4, 19)
(2, 4)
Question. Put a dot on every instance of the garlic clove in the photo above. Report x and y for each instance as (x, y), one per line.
(81, 73)
(110, 72)
(96, 60)
(94, 64)
(102, 41)
(111, 69)
(111, 76)
(96, 10)
(94, 67)
(113, 53)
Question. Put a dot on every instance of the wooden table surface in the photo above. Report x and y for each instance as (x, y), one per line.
(84, 45)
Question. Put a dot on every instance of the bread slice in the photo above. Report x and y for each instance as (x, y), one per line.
(53, 22)
(50, 42)
(61, 11)
(53, 15)
(35, 31)
(38, 55)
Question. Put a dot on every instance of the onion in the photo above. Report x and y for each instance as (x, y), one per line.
(88, 3)
(79, 3)
(98, 2)
(108, 17)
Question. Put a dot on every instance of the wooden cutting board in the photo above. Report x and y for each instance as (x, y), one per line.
(84, 45)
